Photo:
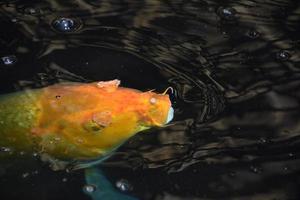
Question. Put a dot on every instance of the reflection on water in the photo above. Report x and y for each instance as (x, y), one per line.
(234, 68)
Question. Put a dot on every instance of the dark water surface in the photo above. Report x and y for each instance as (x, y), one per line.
(234, 67)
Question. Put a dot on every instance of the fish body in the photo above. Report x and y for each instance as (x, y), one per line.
(78, 121)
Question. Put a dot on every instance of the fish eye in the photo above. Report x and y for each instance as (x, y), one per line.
(153, 100)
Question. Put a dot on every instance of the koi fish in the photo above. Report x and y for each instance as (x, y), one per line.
(79, 121)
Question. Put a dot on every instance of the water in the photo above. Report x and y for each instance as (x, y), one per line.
(234, 69)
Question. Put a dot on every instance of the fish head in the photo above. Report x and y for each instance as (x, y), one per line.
(94, 119)
(156, 109)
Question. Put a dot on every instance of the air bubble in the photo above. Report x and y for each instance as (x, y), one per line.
(123, 185)
(65, 25)
(89, 188)
(263, 140)
(31, 11)
(253, 34)
(9, 60)
(255, 169)
(283, 55)
(25, 175)
(35, 172)
(227, 13)
(285, 169)
(14, 20)
(232, 174)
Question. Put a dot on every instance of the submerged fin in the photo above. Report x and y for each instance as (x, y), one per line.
(87, 164)
(82, 165)
(104, 189)
(54, 164)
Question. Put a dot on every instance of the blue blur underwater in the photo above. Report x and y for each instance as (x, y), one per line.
(233, 67)
(98, 187)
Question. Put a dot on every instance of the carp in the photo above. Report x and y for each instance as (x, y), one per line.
(79, 121)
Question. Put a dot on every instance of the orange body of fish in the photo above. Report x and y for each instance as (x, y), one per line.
(79, 121)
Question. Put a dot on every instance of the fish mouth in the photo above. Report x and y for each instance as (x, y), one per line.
(170, 115)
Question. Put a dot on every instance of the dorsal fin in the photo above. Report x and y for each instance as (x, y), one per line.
(109, 86)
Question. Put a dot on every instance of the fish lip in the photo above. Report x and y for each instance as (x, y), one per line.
(170, 115)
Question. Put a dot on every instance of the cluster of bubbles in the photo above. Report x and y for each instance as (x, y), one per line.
(122, 184)
(65, 25)
(68, 25)
(229, 14)
(28, 174)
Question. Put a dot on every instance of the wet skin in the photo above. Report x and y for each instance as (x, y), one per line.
(79, 121)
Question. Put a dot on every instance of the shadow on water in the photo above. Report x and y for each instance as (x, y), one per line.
(234, 68)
